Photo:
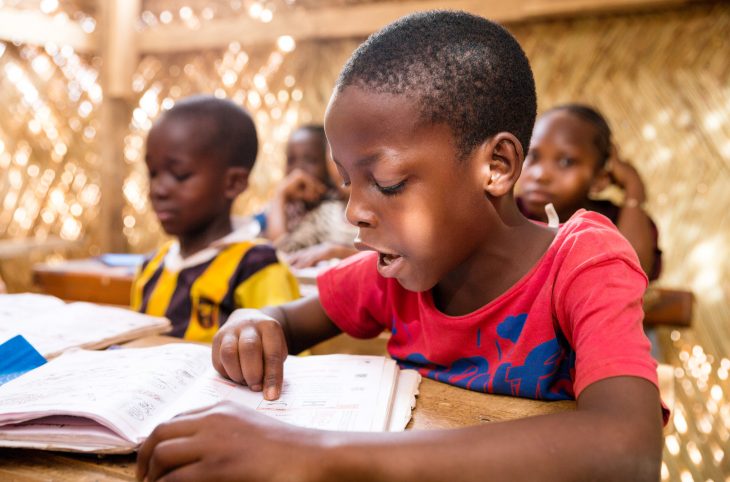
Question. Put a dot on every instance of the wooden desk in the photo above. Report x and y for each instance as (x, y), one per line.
(85, 280)
(91, 280)
(438, 406)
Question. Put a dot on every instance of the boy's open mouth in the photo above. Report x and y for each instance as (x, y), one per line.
(386, 259)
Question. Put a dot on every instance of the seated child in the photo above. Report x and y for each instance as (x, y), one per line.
(571, 156)
(306, 217)
(328, 224)
(427, 125)
(199, 156)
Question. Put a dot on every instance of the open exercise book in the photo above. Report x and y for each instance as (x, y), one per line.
(52, 326)
(110, 401)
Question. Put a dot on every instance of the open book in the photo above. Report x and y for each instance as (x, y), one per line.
(52, 326)
(110, 401)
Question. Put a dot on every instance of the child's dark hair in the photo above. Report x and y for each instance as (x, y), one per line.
(233, 133)
(603, 139)
(318, 130)
(462, 70)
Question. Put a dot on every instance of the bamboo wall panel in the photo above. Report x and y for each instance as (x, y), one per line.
(48, 158)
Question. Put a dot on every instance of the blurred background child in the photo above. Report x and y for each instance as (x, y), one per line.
(306, 218)
(571, 159)
(199, 156)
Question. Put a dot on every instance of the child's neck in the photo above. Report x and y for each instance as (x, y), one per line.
(192, 242)
(513, 247)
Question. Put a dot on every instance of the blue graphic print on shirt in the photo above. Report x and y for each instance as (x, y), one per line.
(545, 374)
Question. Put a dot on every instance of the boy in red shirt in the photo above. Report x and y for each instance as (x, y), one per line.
(427, 125)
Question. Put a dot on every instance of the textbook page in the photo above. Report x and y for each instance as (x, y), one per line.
(52, 326)
(111, 401)
(127, 391)
(404, 400)
(329, 392)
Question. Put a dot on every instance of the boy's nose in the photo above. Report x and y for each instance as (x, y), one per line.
(158, 190)
(358, 213)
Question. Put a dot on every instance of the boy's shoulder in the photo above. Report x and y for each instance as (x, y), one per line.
(589, 224)
(253, 253)
(589, 238)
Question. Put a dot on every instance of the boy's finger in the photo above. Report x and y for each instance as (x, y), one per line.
(251, 357)
(229, 363)
(274, 356)
(165, 431)
(215, 352)
(170, 455)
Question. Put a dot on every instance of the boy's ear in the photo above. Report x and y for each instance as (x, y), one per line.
(236, 182)
(501, 163)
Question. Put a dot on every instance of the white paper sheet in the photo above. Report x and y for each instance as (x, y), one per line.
(52, 326)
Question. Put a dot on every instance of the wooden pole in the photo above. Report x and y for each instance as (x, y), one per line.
(120, 55)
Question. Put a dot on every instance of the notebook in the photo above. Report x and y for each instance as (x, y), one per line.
(52, 326)
(110, 401)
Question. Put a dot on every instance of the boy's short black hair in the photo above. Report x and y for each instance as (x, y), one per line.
(462, 69)
(232, 133)
(603, 139)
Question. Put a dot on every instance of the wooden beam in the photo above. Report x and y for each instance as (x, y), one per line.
(35, 28)
(362, 20)
(118, 50)
(119, 45)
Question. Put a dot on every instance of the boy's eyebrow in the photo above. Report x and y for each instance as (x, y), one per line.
(365, 161)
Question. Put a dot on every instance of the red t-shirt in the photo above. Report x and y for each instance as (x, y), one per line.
(574, 319)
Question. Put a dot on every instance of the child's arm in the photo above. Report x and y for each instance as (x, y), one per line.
(615, 434)
(633, 222)
(319, 252)
(297, 185)
(252, 345)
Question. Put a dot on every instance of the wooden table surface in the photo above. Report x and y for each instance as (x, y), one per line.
(85, 280)
(438, 406)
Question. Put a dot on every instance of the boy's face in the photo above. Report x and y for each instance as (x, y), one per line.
(560, 166)
(188, 187)
(414, 202)
(305, 151)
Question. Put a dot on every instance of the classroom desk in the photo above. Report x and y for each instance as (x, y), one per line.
(438, 406)
(91, 280)
(85, 280)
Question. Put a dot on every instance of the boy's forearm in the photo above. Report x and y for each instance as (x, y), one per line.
(614, 435)
(561, 447)
(276, 218)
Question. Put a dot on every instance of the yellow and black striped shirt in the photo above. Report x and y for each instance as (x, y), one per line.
(197, 297)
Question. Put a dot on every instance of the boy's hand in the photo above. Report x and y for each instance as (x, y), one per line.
(299, 185)
(250, 349)
(226, 442)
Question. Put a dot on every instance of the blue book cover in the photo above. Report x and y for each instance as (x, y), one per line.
(17, 357)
